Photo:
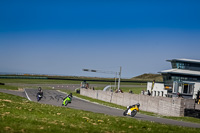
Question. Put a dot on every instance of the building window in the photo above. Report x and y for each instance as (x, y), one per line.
(188, 88)
(180, 78)
(174, 65)
(176, 78)
(185, 88)
(191, 89)
(180, 65)
(194, 79)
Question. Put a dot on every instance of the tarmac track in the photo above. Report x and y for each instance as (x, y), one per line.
(54, 97)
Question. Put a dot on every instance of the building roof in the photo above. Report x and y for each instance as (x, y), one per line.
(182, 72)
(185, 60)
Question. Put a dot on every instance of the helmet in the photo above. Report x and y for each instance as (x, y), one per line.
(39, 89)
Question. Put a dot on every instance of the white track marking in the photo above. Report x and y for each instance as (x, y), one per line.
(27, 95)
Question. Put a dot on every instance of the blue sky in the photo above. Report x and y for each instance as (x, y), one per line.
(63, 37)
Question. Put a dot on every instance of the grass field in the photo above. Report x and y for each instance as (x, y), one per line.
(17, 114)
(9, 87)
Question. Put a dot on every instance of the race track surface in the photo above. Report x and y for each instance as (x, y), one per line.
(54, 97)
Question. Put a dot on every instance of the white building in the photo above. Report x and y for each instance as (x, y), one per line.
(157, 90)
(182, 80)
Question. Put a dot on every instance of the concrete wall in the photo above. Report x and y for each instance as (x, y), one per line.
(161, 105)
(197, 106)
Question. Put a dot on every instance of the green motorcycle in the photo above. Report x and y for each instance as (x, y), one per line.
(67, 100)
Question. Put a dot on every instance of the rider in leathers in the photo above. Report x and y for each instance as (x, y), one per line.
(67, 99)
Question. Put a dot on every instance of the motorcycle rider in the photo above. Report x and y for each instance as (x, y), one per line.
(67, 99)
(138, 105)
(39, 94)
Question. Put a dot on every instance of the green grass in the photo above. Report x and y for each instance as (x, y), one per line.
(9, 87)
(39, 81)
(20, 115)
(14, 87)
(188, 119)
(135, 90)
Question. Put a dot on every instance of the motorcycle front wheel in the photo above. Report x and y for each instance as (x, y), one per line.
(125, 112)
(38, 99)
(66, 102)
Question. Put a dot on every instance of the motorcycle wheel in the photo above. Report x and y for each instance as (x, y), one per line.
(125, 112)
(133, 113)
(38, 99)
(66, 103)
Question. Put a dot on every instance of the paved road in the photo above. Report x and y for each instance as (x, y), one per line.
(54, 97)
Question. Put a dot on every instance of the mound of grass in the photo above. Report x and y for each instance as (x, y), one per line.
(149, 77)
(20, 115)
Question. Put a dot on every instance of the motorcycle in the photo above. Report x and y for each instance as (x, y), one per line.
(132, 110)
(39, 94)
(67, 100)
(39, 97)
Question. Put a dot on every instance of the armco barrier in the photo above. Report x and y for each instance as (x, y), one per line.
(161, 105)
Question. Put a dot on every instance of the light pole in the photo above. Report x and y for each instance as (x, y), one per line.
(115, 80)
(108, 72)
(119, 78)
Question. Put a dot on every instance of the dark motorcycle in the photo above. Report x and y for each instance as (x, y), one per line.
(39, 96)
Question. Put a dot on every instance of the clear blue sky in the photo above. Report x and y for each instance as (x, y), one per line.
(63, 37)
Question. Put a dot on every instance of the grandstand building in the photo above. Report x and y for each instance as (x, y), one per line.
(182, 80)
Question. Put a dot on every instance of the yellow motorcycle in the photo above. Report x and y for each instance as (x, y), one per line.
(132, 110)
